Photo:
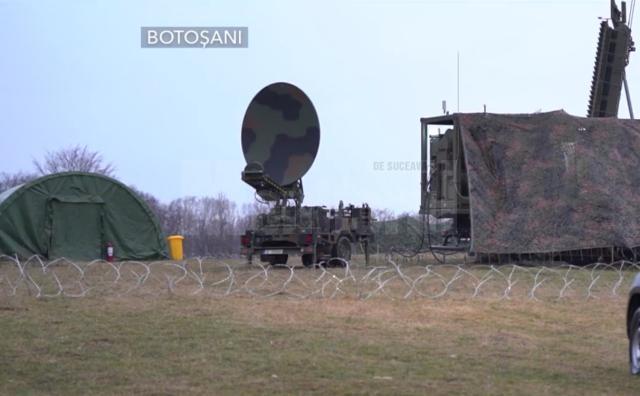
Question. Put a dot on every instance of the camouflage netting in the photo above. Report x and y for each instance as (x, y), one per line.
(551, 182)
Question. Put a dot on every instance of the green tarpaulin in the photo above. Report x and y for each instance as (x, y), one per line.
(75, 215)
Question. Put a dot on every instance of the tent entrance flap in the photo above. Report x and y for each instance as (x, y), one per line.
(76, 230)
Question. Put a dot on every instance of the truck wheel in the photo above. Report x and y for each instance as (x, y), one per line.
(634, 343)
(342, 250)
(307, 260)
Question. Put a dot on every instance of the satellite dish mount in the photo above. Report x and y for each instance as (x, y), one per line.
(269, 190)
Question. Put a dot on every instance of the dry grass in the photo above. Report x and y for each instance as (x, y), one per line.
(240, 345)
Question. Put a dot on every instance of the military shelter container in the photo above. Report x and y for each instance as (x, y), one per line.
(75, 215)
(534, 183)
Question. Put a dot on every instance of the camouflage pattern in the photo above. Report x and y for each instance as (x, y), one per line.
(551, 182)
(312, 232)
(281, 132)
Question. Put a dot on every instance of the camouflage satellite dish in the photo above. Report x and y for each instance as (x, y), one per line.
(281, 132)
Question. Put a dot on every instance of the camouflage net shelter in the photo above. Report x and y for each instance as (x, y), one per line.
(74, 215)
(547, 182)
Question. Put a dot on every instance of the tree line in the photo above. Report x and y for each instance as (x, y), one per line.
(211, 225)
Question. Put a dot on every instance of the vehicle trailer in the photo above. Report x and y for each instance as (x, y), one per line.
(317, 234)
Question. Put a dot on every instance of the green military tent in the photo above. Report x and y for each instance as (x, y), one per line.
(75, 215)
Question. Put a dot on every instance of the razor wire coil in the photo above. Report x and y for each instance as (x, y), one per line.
(217, 278)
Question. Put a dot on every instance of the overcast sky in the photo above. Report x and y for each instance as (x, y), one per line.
(73, 72)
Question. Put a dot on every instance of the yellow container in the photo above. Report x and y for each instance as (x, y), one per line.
(175, 247)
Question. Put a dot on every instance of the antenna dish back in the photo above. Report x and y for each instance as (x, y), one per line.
(281, 132)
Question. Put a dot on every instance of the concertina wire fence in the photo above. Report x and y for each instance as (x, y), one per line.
(385, 278)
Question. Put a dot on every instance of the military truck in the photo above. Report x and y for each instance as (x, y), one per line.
(317, 234)
(280, 140)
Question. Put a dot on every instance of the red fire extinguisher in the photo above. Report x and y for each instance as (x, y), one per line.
(109, 252)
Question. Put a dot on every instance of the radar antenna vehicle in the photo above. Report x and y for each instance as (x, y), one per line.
(280, 140)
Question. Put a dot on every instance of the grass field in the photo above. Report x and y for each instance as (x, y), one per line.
(175, 344)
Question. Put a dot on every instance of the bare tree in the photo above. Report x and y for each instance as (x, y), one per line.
(247, 216)
(74, 158)
(8, 180)
(157, 207)
(383, 214)
(211, 225)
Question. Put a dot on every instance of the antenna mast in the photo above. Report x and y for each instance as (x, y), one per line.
(612, 56)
